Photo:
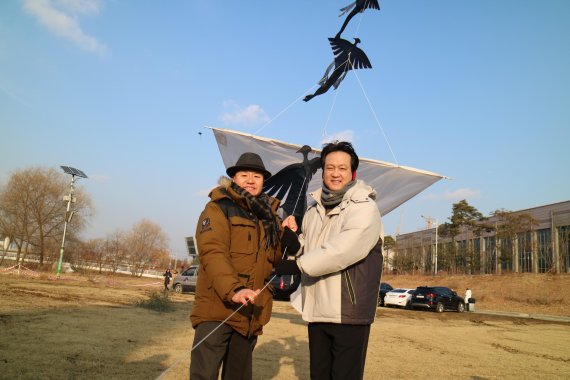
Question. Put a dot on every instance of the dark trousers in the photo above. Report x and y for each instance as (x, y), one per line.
(224, 347)
(337, 351)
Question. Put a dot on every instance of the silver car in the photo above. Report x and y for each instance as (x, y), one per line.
(186, 281)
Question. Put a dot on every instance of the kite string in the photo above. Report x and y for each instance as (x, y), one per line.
(296, 203)
(294, 102)
(336, 91)
(284, 110)
(359, 22)
(214, 330)
(368, 100)
(375, 116)
(325, 132)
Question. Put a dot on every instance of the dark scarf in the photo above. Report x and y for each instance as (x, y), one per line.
(261, 208)
(331, 198)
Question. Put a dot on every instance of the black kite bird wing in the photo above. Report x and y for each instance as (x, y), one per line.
(290, 184)
(347, 57)
(345, 51)
(359, 6)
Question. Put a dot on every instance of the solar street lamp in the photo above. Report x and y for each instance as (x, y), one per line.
(68, 214)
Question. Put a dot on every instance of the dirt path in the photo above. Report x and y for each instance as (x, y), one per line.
(81, 329)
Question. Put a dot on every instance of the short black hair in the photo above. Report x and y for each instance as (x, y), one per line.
(340, 146)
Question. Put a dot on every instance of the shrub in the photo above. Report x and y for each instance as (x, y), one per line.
(157, 301)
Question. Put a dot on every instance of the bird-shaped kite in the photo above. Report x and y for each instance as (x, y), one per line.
(290, 184)
(359, 6)
(346, 57)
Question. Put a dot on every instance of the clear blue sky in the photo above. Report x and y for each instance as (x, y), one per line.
(475, 90)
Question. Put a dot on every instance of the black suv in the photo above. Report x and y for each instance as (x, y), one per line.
(384, 288)
(438, 298)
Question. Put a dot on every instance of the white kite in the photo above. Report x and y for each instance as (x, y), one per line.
(394, 184)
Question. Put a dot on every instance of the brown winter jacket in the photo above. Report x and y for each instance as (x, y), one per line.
(232, 255)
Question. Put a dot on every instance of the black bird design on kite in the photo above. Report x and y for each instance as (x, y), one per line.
(290, 184)
(346, 57)
(359, 6)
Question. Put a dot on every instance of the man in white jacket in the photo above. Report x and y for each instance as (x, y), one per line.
(341, 266)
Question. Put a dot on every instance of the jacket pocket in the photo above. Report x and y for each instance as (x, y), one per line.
(243, 237)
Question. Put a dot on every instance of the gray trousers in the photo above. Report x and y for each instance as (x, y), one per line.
(226, 348)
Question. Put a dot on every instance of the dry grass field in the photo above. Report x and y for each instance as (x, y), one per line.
(91, 328)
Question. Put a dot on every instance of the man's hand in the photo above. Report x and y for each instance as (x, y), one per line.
(287, 267)
(291, 223)
(245, 295)
(290, 242)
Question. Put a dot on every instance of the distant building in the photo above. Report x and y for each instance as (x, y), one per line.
(541, 247)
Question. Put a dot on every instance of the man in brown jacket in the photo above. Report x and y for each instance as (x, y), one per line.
(239, 242)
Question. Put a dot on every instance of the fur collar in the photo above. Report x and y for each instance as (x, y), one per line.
(224, 182)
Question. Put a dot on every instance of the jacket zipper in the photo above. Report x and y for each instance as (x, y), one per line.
(351, 293)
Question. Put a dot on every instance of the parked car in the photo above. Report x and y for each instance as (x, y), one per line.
(284, 286)
(186, 281)
(399, 297)
(438, 298)
(384, 288)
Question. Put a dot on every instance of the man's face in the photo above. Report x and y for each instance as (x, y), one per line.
(250, 181)
(337, 173)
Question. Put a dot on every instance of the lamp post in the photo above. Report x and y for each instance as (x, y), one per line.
(430, 220)
(68, 215)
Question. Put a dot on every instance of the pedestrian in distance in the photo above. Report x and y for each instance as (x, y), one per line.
(467, 297)
(167, 276)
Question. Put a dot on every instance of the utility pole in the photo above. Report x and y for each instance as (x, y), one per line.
(68, 215)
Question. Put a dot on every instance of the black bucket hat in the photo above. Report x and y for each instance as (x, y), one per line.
(249, 161)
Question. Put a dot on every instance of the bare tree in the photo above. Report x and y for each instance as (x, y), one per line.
(13, 222)
(114, 247)
(160, 259)
(32, 212)
(144, 241)
(91, 252)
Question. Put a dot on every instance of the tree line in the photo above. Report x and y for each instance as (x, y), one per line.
(32, 218)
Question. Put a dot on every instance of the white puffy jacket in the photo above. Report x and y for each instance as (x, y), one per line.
(341, 259)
